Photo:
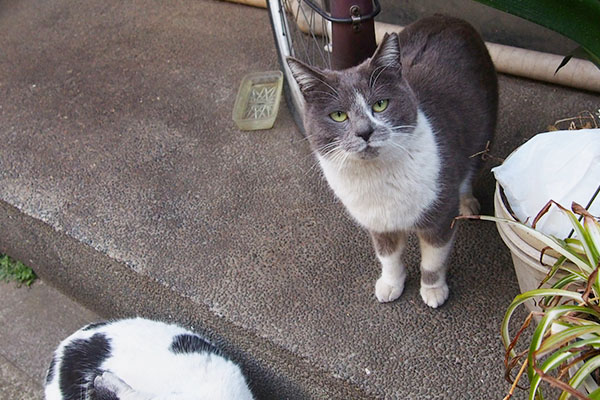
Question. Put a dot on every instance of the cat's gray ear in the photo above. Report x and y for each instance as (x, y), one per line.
(388, 52)
(307, 77)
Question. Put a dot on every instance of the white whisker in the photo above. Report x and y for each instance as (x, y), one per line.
(330, 144)
(328, 85)
(344, 159)
(334, 155)
(398, 146)
(339, 156)
(383, 68)
(402, 127)
(399, 135)
(371, 82)
(328, 148)
(312, 167)
(333, 96)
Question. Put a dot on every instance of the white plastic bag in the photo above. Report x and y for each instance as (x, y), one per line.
(563, 166)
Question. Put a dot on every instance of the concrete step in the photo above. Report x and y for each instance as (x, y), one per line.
(33, 321)
(125, 184)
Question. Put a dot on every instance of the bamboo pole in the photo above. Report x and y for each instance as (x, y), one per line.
(253, 3)
(577, 73)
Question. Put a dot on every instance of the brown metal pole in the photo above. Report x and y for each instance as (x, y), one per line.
(352, 42)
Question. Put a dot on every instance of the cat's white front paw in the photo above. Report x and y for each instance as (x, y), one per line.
(469, 205)
(435, 296)
(387, 291)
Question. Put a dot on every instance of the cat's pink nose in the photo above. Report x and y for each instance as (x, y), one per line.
(366, 134)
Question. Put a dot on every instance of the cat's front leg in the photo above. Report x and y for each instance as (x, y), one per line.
(389, 248)
(434, 254)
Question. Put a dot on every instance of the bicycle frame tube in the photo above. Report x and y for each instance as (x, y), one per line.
(352, 42)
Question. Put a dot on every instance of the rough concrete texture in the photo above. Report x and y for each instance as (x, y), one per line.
(33, 321)
(125, 183)
(15, 384)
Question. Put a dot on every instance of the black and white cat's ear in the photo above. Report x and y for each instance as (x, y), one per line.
(307, 77)
(110, 387)
(388, 52)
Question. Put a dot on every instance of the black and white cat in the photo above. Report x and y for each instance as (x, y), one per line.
(396, 137)
(140, 359)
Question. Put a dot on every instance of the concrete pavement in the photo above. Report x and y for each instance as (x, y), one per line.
(124, 183)
(33, 321)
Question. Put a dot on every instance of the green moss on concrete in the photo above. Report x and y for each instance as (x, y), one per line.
(13, 270)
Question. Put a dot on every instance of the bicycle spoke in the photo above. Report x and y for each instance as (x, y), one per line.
(311, 47)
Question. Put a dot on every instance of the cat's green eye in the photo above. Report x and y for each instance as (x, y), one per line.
(339, 116)
(380, 105)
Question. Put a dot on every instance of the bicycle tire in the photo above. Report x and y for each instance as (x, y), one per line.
(301, 33)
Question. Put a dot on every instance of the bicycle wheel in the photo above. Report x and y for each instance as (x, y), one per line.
(301, 33)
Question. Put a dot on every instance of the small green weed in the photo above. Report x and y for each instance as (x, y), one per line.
(12, 270)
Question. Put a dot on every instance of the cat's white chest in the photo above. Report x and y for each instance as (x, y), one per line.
(390, 193)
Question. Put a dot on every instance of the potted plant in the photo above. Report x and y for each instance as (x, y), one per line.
(531, 257)
(564, 349)
(530, 176)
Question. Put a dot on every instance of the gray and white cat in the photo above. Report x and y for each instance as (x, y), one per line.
(395, 137)
(140, 359)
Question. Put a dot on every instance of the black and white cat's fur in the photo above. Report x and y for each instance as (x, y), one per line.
(140, 359)
(409, 167)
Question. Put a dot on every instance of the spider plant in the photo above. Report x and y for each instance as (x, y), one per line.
(564, 349)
